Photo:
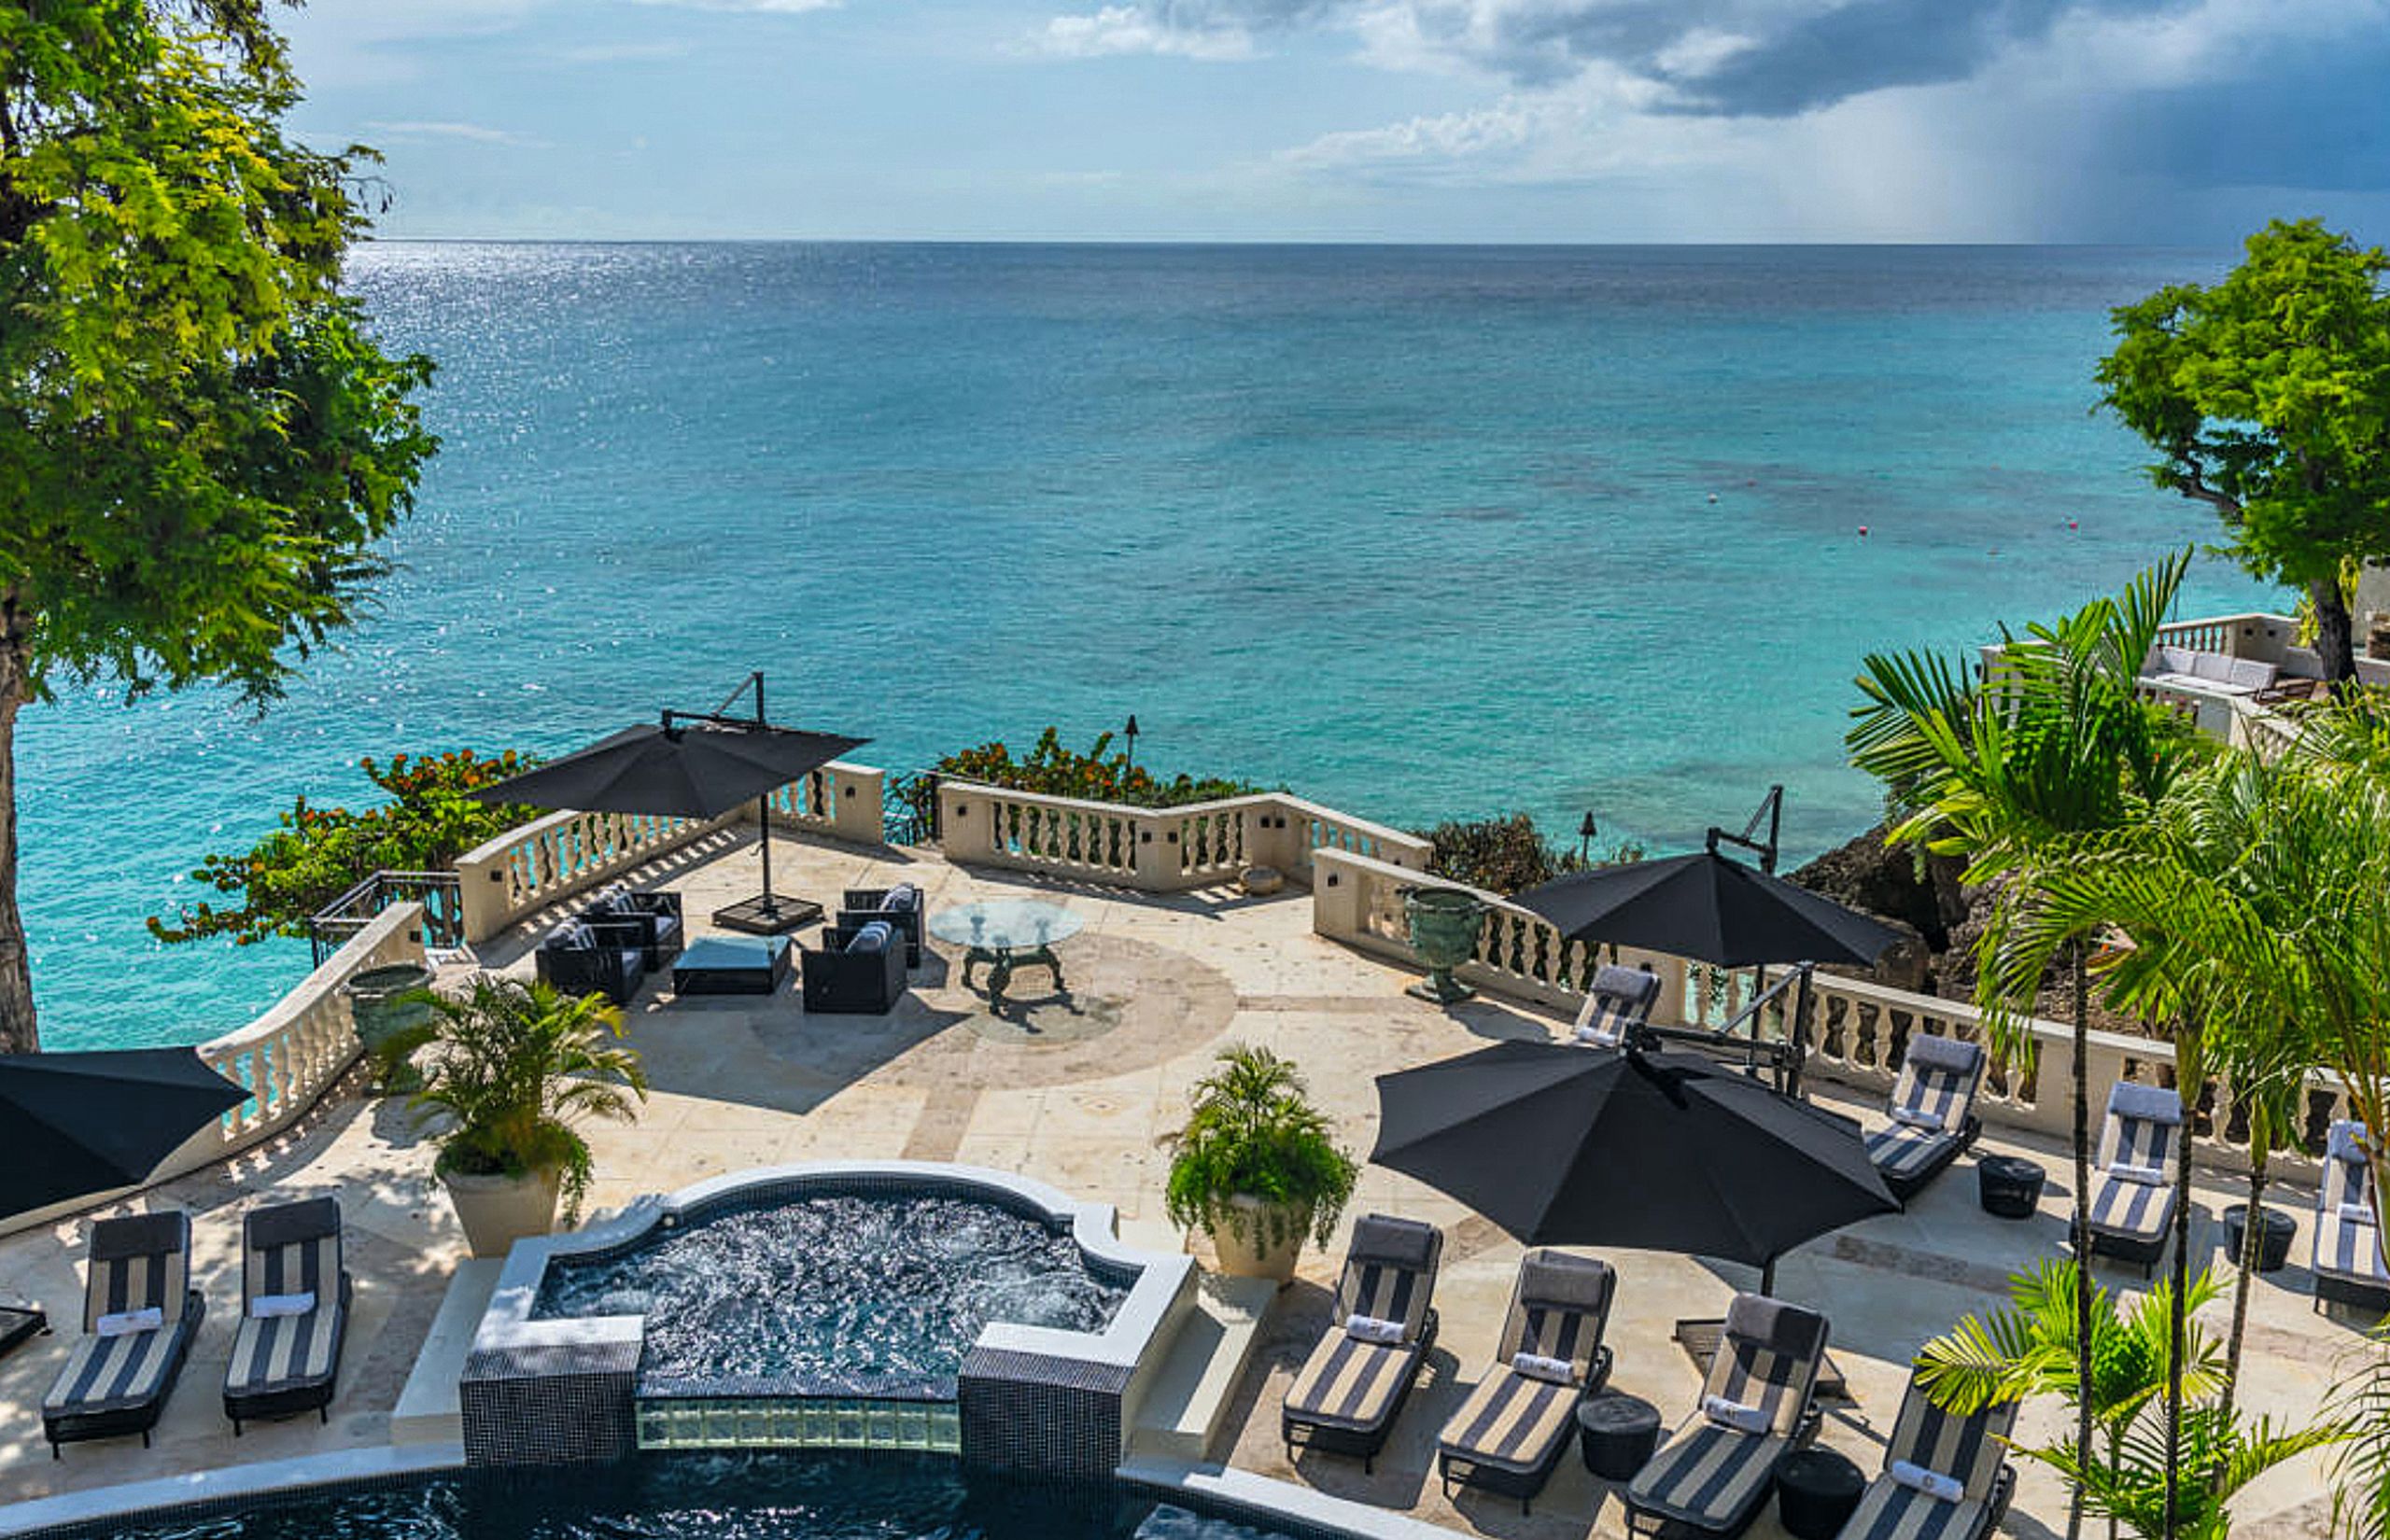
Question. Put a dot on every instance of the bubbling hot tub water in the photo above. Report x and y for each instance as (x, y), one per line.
(863, 1295)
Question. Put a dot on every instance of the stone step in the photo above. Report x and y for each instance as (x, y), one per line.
(429, 1411)
(1185, 1410)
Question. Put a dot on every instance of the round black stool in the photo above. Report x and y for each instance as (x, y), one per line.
(1616, 1434)
(2007, 1186)
(2273, 1251)
(1816, 1491)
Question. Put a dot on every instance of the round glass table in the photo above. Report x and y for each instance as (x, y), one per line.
(1006, 933)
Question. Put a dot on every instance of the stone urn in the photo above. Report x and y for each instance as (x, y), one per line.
(1244, 1250)
(1445, 923)
(383, 1002)
(498, 1211)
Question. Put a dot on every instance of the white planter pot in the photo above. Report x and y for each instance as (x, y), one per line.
(1245, 1251)
(498, 1211)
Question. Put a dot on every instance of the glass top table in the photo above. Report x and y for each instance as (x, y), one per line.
(1006, 933)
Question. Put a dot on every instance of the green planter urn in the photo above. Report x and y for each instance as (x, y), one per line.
(1444, 924)
(383, 1002)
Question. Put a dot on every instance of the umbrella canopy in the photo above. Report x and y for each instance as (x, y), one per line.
(1563, 1145)
(84, 1122)
(700, 770)
(1708, 907)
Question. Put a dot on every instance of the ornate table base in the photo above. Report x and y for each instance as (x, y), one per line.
(1001, 961)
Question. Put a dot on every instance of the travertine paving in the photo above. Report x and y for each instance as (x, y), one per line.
(1075, 1089)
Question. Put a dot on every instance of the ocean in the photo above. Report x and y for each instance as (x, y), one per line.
(1416, 532)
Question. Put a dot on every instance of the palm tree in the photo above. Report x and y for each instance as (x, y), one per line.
(2013, 772)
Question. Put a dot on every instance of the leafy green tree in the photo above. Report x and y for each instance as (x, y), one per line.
(200, 442)
(2267, 398)
(2011, 773)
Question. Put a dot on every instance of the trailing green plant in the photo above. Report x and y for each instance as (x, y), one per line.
(1508, 855)
(1254, 1133)
(315, 854)
(510, 1068)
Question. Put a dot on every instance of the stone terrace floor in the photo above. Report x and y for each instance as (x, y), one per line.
(1074, 1090)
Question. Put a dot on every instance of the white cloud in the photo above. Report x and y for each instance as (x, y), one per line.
(478, 133)
(1117, 30)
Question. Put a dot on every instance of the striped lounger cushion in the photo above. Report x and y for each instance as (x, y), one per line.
(2348, 1243)
(1389, 1275)
(1513, 1421)
(1619, 997)
(1711, 1477)
(1968, 1449)
(2142, 1122)
(1937, 1081)
(287, 1352)
(136, 1264)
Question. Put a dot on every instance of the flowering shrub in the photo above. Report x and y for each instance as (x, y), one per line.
(318, 853)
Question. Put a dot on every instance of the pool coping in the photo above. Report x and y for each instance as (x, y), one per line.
(162, 1494)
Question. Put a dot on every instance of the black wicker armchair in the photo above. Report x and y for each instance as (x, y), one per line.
(902, 906)
(662, 931)
(595, 956)
(859, 972)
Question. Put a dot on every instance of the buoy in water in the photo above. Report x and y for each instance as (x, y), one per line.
(1713, 497)
(2072, 525)
(1862, 530)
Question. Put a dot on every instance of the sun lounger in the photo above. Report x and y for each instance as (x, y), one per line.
(2133, 1191)
(1515, 1427)
(1963, 1457)
(1715, 1472)
(2348, 1261)
(1347, 1394)
(139, 1316)
(1619, 1000)
(1933, 1113)
(294, 1313)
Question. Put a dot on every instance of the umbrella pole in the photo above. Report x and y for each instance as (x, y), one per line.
(763, 817)
(1767, 1278)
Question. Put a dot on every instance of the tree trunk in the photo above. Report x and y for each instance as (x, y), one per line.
(16, 1032)
(2253, 1240)
(2334, 642)
(2082, 1236)
(2180, 1276)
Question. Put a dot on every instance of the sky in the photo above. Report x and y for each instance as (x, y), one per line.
(2157, 123)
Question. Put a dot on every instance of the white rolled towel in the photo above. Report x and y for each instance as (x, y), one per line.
(1368, 1328)
(1734, 1414)
(1934, 1484)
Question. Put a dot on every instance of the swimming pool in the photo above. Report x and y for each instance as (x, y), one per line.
(879, 1295)
(748, 1496)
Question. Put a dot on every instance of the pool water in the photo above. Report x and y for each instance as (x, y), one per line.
(845, 1295)
(696, 1497)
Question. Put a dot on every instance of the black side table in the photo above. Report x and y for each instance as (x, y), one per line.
(2273, 1249)
(2007, 1186)
(1617, 1434)
(1816, 1491)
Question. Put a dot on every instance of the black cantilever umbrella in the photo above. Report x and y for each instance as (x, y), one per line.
(1569, 1146)
(85, 1123)
(1707, 907)
(686, 765)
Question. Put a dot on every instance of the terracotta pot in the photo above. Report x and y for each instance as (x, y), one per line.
(498, 1211)
(1244, 1251)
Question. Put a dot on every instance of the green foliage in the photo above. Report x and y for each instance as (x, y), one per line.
(2361, 1498)
(1253, 1132)
(510, 1069)
(200, 444)
(2219, 1452)
(1507, 855)
(317, 853)
(1097, 775)
(2267, 398)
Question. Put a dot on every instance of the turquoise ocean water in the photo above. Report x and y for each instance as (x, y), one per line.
(1416, 532)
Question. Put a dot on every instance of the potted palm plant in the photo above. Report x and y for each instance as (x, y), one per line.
(513, 1067)
(1255, 1167)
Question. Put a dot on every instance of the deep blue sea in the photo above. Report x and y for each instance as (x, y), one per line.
(1417, 532)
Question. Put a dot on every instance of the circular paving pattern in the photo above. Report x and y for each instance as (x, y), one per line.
(1127, 1005)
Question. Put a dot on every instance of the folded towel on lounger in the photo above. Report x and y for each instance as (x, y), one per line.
(1560, 1371)
(1933, 1484)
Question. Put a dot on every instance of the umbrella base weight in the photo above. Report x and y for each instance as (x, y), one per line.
(761, 916)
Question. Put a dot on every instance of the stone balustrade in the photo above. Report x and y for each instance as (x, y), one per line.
(1856, 1029)
(288, 1057)
(1157, 850)
(554, 857)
